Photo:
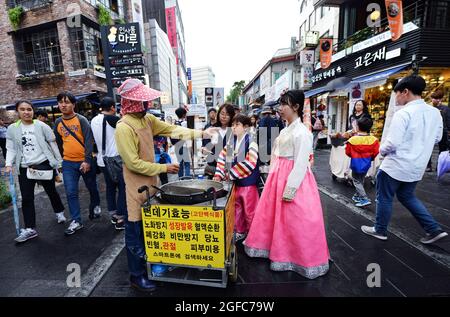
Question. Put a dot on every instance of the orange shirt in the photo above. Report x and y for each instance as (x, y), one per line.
(73, 150)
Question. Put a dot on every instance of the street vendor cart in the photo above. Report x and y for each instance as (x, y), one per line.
(188, 226)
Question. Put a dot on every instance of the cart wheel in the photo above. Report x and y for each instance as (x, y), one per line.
(234, 265)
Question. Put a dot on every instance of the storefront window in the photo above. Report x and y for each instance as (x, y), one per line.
(378, 100)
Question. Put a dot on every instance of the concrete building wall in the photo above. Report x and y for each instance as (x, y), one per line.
(202, 77)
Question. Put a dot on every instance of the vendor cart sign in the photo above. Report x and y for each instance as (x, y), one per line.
(184, 235)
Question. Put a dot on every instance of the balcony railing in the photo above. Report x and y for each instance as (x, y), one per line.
(415, 13)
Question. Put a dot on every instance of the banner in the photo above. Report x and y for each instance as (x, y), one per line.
(326, 52)
(394, 9)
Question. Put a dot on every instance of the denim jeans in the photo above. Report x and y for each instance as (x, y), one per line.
(387, 187)
(135, 245)
(185, 169)
(117, 205)
(71, 176)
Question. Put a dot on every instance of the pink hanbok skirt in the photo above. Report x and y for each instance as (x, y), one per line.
(290, 234)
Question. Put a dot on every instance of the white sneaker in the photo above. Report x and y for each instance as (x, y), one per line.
(371, 232)
(26, 234)
(97, 210)
(60, 217)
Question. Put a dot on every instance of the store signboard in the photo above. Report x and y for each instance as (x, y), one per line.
(117, 61)
(171, 23)
(116, 82)
(306, 75)
(197, 110)
(209, 96)
(381, 54)
(218, 97)
(184, 235)
(124, 39)
(307, 57)
(283, 83)
(336, 71)
(127, 72)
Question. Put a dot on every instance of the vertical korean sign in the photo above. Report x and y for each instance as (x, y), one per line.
(123, 54)
(394, 9)
(171, 23)
(184, 235)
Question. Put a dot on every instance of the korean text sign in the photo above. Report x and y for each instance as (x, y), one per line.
(124, 39)
(184, 235)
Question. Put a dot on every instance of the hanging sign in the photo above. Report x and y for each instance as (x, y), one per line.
(394, 9)
(326, 52)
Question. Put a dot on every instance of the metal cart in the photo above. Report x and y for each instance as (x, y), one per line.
(194, 239)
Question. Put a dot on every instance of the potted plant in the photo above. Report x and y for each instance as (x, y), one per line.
(104, 16)
(15, 16)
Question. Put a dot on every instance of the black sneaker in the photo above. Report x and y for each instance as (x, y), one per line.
(73, 227)
(114, 220)
(93, 216)
(430, 238)
(120, 225)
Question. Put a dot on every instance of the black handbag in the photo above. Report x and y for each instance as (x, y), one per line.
(113, 165)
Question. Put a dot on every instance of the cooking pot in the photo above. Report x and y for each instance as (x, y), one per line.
(190, 192)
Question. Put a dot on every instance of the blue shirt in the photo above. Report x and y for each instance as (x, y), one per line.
(414, 131)
(3, 132)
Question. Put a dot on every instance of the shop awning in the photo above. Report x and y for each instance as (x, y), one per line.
(338, 83)
(378, 75)
(316, 91)
(52, 101)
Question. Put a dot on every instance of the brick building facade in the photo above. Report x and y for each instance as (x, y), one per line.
(56, 47)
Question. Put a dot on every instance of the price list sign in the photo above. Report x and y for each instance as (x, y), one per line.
(184, 235)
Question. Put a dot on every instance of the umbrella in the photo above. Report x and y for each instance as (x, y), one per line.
(12, 190)
(443, 164)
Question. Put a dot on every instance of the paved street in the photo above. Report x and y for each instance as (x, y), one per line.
(38, 267)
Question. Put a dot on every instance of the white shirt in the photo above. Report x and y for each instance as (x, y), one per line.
(97, 131)
(31, 152)
(413, 132)
(295, 143)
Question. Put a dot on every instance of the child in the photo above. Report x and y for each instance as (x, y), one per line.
(244, 172)
(362, 148)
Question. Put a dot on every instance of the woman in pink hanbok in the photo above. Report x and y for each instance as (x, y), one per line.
(288, 226)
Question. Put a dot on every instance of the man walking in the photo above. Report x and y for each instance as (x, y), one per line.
(415, 129)
(75, 142)
(103, 128)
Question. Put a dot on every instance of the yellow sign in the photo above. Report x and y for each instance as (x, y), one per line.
(184, 235)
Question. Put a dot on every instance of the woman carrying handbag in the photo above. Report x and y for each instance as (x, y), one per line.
(33, 153)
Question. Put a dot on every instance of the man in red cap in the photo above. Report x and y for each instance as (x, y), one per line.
(134, 139)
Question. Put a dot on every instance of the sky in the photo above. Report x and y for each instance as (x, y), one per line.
(237, 37)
